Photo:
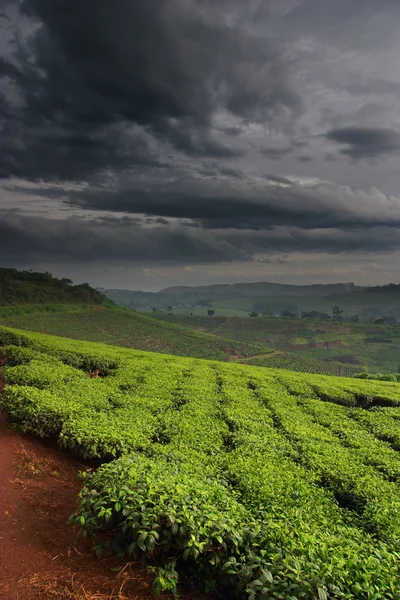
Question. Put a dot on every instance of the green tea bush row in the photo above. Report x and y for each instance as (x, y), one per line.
(268, 484)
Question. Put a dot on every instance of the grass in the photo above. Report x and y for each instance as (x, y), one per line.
(264, 483)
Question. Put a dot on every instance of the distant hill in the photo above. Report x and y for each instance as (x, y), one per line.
(263, 289)
(238, 299)
(208, 294)
(29, 287)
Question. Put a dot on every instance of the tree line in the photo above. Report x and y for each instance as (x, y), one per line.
(30, 287)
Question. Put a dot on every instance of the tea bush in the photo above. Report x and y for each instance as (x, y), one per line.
(266, 483)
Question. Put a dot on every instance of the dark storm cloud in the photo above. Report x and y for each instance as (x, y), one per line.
(108, 239)
(170, 112)
(197, 141)
(123, 240)
(91, 69)
(365, 142)
(220, 204)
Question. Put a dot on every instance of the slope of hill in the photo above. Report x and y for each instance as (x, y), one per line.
(28, 287)
(357, 346)
(270, 484)
(123, 327)
(130, 329)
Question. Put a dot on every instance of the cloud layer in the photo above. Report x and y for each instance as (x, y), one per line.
(199, 132)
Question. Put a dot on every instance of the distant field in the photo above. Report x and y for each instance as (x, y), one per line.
(354, 303)
(306, 346)
(198, 312)
(266, 483)
(298, 303)
(319, 340)
(302, 364)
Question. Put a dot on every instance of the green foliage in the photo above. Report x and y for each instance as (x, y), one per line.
(265, 483)
(28, 287)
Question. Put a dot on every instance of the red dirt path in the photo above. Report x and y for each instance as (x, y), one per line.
(41, 556)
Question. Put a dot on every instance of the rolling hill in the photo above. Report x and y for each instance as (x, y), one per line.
(239, 299)
(130, 329)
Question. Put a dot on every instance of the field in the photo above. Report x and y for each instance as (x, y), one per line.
(357, 347)
(294, 303)
(258, 482)
(130, 329)
(301, 364)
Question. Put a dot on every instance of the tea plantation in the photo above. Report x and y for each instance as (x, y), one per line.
(124, 327)
(366, 346)
(262, 483)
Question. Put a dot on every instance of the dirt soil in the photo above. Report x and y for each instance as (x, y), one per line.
(42, 557)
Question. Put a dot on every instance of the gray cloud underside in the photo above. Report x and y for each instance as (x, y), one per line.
(111, 240)
(219, 204)
(209, 129)
(100, 67)
(365, 142)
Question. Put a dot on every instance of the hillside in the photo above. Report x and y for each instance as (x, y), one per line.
(123, 327)
(29, 287)
(132, 330)
(263, 482)
(357, 346)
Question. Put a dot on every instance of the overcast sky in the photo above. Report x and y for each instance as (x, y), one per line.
(164, 142)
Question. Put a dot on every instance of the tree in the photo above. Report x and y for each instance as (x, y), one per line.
(210, 312)
(253, 314)
(337, 315)
(170, 309)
